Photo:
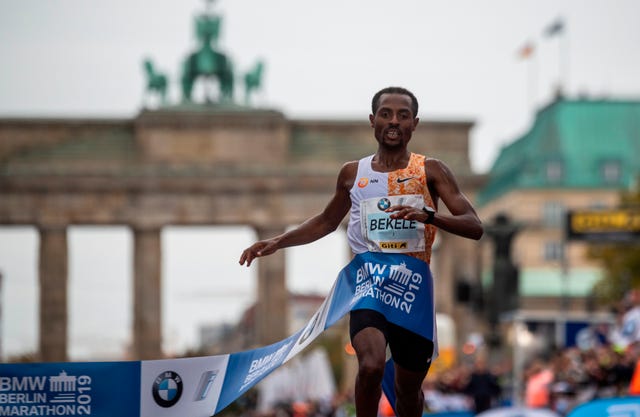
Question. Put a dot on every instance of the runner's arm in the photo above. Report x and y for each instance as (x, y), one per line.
(463, 220)
(315, 227)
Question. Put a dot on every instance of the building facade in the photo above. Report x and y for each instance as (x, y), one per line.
(578, 154)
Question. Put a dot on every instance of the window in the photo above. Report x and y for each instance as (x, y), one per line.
(553, 251)
(611, 171)
(553, 214)
(598, 205)
(555, 171)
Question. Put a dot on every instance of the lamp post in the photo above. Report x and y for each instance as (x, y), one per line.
(504, 296)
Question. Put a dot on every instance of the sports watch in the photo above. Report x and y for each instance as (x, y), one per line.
(430, 214)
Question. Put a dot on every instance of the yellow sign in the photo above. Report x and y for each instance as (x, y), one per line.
(604, 225)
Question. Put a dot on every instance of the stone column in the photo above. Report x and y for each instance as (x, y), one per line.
(53, 276)
(272, 303)
(147, 307)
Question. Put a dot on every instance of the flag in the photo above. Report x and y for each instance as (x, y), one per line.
(554, 28)
(526, 51)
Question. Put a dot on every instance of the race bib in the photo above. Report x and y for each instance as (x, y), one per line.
(384, 234)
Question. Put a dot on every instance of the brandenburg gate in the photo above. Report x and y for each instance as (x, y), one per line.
(217, 163)
(193, 165)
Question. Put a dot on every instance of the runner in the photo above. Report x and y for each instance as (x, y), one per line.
(392, 198)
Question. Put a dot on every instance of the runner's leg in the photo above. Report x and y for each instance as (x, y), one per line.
(370, 346)
(409, 395)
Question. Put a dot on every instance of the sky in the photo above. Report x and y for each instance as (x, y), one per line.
(324, 60)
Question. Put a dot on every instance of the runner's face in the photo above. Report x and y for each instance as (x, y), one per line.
(394, 122)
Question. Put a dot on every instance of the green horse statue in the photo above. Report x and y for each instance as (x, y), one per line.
(156, 81)
(252, 81)
(207, 61)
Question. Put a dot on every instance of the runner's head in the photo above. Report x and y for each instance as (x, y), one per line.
(375, 102)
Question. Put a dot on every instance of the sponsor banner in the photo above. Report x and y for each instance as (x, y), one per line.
(181, 387)
(610, 407)
(396, 285)
(248, 368)
(402, 291)
(100, 389)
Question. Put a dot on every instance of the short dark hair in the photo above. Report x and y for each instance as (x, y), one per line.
(375, 102)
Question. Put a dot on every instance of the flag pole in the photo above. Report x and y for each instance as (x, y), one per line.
(557, 28)
(525, 53)
(564, 63)
(533, 81)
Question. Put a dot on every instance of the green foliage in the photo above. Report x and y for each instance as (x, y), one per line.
(622, 270)
(621, 262)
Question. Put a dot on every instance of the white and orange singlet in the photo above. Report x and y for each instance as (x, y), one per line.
(371, 228)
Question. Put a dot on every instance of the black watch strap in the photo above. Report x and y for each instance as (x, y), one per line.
(430, 214)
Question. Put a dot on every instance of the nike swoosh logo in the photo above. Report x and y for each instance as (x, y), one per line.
(401, 180)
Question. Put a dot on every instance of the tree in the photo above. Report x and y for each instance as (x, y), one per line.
(621, 261)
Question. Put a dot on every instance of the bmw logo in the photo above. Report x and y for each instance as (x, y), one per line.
(384, 204)
(167, 389)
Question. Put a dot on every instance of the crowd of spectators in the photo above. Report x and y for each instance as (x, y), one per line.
(567, 378)
(559, 382)
(605, 363)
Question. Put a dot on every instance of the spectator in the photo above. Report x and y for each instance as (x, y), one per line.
(538, 380)
(627, 331)
(482, 386)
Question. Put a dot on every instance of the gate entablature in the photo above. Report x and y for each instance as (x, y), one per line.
(227, 135)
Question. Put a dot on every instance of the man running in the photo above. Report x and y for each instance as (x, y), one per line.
(392, 198)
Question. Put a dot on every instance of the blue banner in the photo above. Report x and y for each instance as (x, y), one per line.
(101, 389)
(396, 285)
(610, 407)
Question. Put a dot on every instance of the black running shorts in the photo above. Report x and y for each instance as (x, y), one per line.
(408, 349)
